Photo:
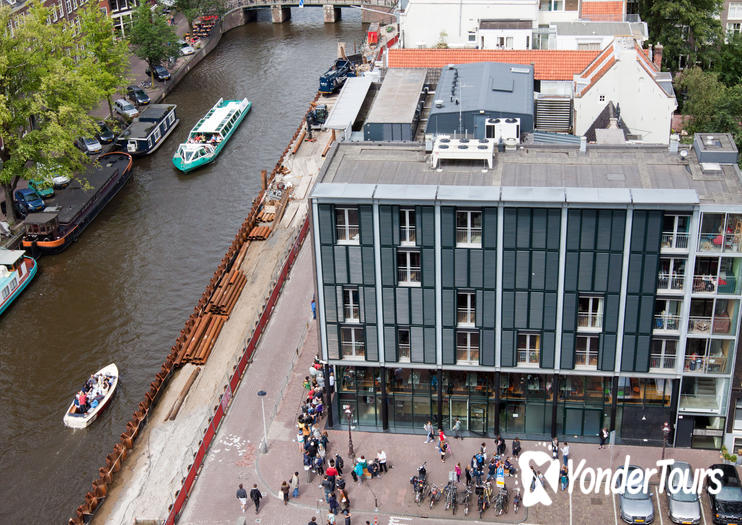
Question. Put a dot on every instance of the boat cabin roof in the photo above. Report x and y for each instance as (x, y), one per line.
(40, 218)
(10, 257)
(214, 122)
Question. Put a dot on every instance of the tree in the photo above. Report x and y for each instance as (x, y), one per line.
(153, 38)
(46, 89)
(110, 55)
(689, 28)
(729, 63)
(192, 9)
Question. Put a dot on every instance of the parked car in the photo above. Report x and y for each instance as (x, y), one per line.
(45, 189)
(138, 95)
(684, 504)
(89, 145)
(726, 506)
(635, 503)
(27, 201)
(125, 109)
(50, 171)
(160, 73)
(185, 48)
(105, 135)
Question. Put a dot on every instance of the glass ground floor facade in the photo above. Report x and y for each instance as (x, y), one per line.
(529, 405)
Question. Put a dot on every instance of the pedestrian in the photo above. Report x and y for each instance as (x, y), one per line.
(333, 502)
(441, 435)
(339, 463)
(554, 448)
(328, 486)
(285, 492)
(429, 432)
(255, 496)
(344, 501)
(242, 496)
(381, 456)
(516, 447)
(491, 469)
(603, 438)
(482, 453)
(457, 468)
(294, 485)
(565, 453)
(331, 381)
(307, 383)
(564, 477)
(443, 448)
(457, 429)
(330, 518)
(467, 473)
(347, 519)
(501, 447)
(358, 472)
(313, 521)
(314, 309)
(340, 482)
(331, 474)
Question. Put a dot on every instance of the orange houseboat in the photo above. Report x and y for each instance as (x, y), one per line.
(71, 209)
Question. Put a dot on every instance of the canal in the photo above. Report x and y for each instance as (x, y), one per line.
(124, 290)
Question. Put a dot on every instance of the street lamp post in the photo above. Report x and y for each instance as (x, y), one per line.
(665, 436)
(349, 414)
(264, 444)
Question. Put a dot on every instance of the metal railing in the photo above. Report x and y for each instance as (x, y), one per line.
(675, 241)
(408, 274)
(705, 364)
(699, 325)
(704, 283)
(469, 236)
(528, 357)
(670, 281)
(666, 322)
(662, 361)
(716, 242)
(353, 350)
(586, 358)
(347, 233)
(407, 235)
(589, 321)
(465, 316)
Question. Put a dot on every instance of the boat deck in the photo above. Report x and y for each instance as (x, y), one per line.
(72, 199)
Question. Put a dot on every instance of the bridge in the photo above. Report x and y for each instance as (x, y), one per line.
(373, 10)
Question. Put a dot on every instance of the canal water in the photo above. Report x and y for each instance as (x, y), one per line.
(124, 290)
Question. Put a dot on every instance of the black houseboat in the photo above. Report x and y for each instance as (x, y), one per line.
(148, 131)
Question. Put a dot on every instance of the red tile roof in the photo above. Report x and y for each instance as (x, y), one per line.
(602, 11)
(548, 64)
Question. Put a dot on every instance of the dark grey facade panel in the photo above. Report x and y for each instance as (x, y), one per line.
(395, 225)
(555, 228)
(487, 351)
(388, 267)
(490, 269)
(489, 298)
(327, 255)
(416, 306)
(509, 228)
(552, 271)
(628, 353)
(476, 263)
(448, 346)
(614, 276)
(569, 312)
(573, 230)
(386, 228)
(588, 228)
(521, 310)
(550, 311)
(508, 270)
(417, 344)
(646, 315)
(522, 269)
(369, 304)
(568, 351)
(607, 353)
(428, 266)
(333, 346)
(369, 265)
(602, 266)
(429, 306)
(430, 354)
(372, 343)
(447, 268)
(631, 323)
(571, 271)
(448, 227)
(649, 280)
(610, 319)
(339, 303)
(355, 265)
(654, 231)
(448, 307)
(427, 225)
(326, 224)
(390, 343)
(638, 230)
(634, 281)
(536, 315)
(461, 273)
(331, 314)
(403, 305)
(508, 307)
(539, 229)
(489, 228)
(507, 352)
(538, 270)
(362, 305)
(523, 239)
(341, 265)
(585, 279)
(366, 220)
(479, 298)
(387, 297)
(547, 349)
(618, 231)
(641, 363)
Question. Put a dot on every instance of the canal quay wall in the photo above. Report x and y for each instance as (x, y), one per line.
(151, 468)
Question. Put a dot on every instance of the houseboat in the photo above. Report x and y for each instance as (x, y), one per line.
(149, 130)
(71, 209)
(16, 271)
(207, 138)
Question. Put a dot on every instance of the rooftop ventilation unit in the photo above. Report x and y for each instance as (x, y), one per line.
(463, 149)
(439, 103)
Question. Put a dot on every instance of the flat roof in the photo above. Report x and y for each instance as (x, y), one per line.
(8, 257)
(618, 174)
(398, 97)
(587, 28)
(348, 103)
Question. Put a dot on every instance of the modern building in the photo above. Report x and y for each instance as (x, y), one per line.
(397, 108)
(563, 290)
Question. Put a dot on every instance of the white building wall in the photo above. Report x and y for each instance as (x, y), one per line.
(645, 108)
(513, 38)
(572, 42)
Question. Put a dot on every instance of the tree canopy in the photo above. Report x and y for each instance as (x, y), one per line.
(729, 62)
(48, 83)
(687, 28)
(154, 40)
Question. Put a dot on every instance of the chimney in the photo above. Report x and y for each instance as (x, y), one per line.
(657, 56)
(583, 144)
(674, 143)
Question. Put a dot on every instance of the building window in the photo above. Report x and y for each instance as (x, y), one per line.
(734, 28)
(68, 5)
(663, 353)
(551, 5)
(735, 11)
(472, 36)
(403, 345)
(407, 227)
(586, 351)
(590, 314)
(529, 348)
(346, 225)
(467, 347)
(352, 343)
(351, 308)
(408, 267)
(465, 308)
(469, 229)
(590, 46)
(675, 232)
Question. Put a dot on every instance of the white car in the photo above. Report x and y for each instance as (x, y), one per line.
(125, 108)
(185, 48)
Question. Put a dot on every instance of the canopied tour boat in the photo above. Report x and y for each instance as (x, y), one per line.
(16, 271)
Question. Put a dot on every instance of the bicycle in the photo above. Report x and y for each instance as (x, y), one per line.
(450, 491)
(435, 495)
(145, 84)
(467, 499)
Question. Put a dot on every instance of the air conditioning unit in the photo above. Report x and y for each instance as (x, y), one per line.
(492, 128)
(510, 129)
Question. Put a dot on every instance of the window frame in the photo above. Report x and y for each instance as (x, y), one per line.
(529, 349)
(469, 310)
(471, 350)
(407, 226)
(591, 351)
(734, 11)
(468, 229)
(346, 227)
(351, 304)
(357, 340)
(599, 313)
(408, 269)
(663, 353)
(401, 358)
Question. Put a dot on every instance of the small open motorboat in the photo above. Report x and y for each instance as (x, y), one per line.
(99, 391)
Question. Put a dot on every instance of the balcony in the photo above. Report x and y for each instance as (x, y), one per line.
(666, 323)
(715, 242)
(587, 322)
(705, 284)
(705, 364)
(660, 361)
(670, 282)
(674, 241)
(719, 325)
(699, 325)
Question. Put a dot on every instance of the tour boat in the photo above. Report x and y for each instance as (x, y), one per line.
(208, 137)
(16, 271)
(76, 419)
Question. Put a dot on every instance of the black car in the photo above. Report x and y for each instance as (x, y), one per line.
(104, 135)
(726, 505)
(160, 72)
(138, 95)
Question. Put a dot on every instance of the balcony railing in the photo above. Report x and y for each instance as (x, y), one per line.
(528, 357)
(716, 242)
(465, 317)
(409, 275)
(667, 322)
(469, 236)
(407, 235)
(353, 350)
(586, 358)
(674, 241)
(588, 321)
(347, 234)
(705, 364)
(670, 281)
(704, 284)
(662, 361)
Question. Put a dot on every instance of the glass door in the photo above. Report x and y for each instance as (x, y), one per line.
(478, 416)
